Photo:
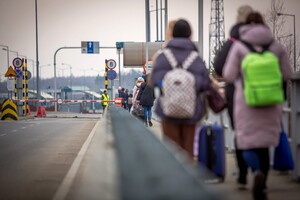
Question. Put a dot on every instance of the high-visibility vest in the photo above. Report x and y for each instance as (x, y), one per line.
(105, 97)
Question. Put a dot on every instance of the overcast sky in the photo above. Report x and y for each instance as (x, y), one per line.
(68, 22)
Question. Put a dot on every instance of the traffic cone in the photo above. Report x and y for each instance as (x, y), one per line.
(41, 112)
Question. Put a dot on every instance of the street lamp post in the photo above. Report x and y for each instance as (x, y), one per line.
(70, 67)
(287, 36)
(7, 52)
(294, 20)
(84, 70)
(33, 63)
(41, 66)
(5, 49)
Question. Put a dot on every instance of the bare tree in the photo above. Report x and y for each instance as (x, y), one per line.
(281, 31)
(276, 22)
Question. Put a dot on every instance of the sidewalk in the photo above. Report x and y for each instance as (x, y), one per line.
(280, 186)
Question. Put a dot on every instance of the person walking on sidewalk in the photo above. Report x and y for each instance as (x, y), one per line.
(219, 63)
(104, 97)
(181, 131)
(146, 98)
(135, 92)
(256, 128)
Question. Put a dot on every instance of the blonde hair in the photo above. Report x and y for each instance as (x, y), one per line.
(139, 80)
(169, 32)
(243, 13)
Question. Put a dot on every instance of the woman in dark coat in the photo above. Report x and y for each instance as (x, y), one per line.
(146, 98)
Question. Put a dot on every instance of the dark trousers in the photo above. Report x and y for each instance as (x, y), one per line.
(147, 113)
(129, 107)
(258, 159)
(242, 165)
(181, 134)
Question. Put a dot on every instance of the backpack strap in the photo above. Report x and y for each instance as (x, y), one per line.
(190, 59)
(186, 63)
(252, 49)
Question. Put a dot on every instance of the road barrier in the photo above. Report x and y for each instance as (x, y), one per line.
(9, 110)
(116, 101)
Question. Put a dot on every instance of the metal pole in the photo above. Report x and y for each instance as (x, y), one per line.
(119, 52)
(71, 82)
(147, 29)
(37, 53)
(156, 11)
(147, 21)
(200, 27)
(295, 65)
(166, 16)
(161, 22)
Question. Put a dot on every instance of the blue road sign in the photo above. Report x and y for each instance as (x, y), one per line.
(90, 47)
(19, 73)
(111, 74)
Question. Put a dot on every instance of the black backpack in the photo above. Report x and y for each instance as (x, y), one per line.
(221, 56)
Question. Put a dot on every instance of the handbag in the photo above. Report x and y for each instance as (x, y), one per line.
(283, 157)
(215, 101)
(138, 111)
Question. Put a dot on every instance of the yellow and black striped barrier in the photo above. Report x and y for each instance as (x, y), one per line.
(105, 75)
(9, 110)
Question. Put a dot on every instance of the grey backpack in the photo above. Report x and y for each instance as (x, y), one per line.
(178, 98)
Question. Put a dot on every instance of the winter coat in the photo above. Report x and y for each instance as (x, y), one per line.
(219, 63)
(254, 127)
(181, 48)
(221, 56)
(146, 95)
(135, 92)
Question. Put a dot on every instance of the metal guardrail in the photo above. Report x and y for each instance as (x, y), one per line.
(150, 169)
(295, 121)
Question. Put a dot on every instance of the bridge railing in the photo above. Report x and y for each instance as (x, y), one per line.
(150, 168)
(295, 124)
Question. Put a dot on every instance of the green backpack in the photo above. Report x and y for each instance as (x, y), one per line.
(263, 85)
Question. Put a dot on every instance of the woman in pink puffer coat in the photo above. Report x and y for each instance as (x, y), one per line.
(256, 129)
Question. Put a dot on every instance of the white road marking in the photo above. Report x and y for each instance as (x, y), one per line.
(65, 186)
(1, 135)
(14, 130)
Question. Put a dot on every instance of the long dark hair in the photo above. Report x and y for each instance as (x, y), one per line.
(255, 18)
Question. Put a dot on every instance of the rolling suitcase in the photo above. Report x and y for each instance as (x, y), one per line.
(211, 149)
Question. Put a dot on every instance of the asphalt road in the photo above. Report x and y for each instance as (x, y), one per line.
(36, 154)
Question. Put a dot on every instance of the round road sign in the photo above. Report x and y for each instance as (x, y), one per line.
(28, 75)
(59, 101)
(17, 62)
(111, 74)
(111, 64)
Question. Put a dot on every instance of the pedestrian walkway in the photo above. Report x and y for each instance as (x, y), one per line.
(280, 185)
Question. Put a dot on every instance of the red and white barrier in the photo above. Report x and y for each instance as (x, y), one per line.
(66, 101)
